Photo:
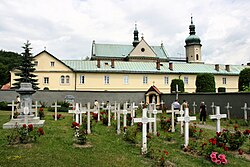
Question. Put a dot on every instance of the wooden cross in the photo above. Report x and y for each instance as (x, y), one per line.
(155, 111)
(186, 119)
(13, 105)
(181, 112)
(245, 111)
(218, 116)
(55, 106)
(36, 106)
(144, 120)
(172, 111)
(194, 106)
(228, 110)
(212, 106)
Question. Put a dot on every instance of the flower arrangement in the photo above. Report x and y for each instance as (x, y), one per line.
(104, 118)
(165, 124)
(218, 158)
(59, 116)
(24, 134)
(41, 113)
(130, 134)
(79, 135)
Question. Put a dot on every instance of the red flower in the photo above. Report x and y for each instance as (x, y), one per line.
(30, 127)
(41, 109)
(158, 134)
(195, 131)
(240, 152)
(162, 158)
(235, 126)
(40, 131)
(217, 133)
(201, 130)
(225, 148)
(165, 151)
(75, 124)
(246, 132)
(148, 136)
(213, 141)
(24, 125)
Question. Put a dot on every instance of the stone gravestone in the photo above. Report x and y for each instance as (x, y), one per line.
(144, 120)
(36, 106)
(181, 112)
(155, 112)
(13, 105)
(186, 119)
(212, 106)
(218, 116)
(56, 106)
(228, 110)
(172, 111)
(245, 111)
(194, 106)
(25, 92)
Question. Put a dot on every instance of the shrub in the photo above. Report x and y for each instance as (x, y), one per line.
(205, 83)
(244, 80)
(130, 134)
(64, 107)
(79, 134)
(178, 82)
(4, 106)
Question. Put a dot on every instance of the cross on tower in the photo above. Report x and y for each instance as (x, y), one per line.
(144, 120)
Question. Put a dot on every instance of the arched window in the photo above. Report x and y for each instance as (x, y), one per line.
(67, 79)
(197, 57)
(62, 79)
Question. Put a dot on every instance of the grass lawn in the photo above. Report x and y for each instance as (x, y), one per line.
(56, 148)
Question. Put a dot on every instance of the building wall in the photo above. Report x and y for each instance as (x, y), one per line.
(191, 52)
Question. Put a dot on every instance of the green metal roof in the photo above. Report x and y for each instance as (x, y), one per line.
(122, 51)
(149, 67)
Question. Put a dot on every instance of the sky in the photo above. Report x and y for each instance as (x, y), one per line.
(67, 28)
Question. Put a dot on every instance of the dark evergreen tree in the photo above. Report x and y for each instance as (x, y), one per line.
(180, 84)
(26, 68)
(205, 83)
(244, 80)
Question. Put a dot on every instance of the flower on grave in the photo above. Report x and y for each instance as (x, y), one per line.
(236, 127)
(218, 134)
(149, 137)
(218, 159)
(30, 127)
(246, 132)
(24, 125)
(158, 134)
(201, 131)
(75, 124)
(240, 151)
(212, 141)
(40, 131)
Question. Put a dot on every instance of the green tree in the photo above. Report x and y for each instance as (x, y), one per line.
(8, 61)
(244, 80)
(205, 83)
(180, 84)
(26, 69)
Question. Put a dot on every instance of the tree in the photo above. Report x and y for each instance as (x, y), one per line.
(244, 80)
(26, 69)
(9, 60)
(205, 83)
(180, 84)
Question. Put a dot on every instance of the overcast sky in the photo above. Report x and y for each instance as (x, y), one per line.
(67, 27)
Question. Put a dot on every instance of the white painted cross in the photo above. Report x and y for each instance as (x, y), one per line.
(144, 120)
(36, 106)
(155, 112)
(212, 106)
(119, 111)
(56, 106)
(186, 119)
(98, 111)
(77, 111)
(181, 112)
(114, 109)
(150, 112)
(88, 115)
(162, 104)
(125, 112)
(13, 105)
(218, 116)
(133, 108)
(228, 110)
(141, 103)
(245, 111)
(109, 114)
(172, 119)
(194, 106)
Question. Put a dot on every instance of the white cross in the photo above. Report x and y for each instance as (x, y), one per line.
(109, 114)
(36, 106)
(125, 112)
(141, 103)
(228, 110)
(194, 106)
(144, 120)
(78, 111)
(155, 111)
(150, 112)
(13, 105)
(218, 116)
(119, 111)
(88, 121)
(186, 119)
(162, 104)
(55, 106)
(114, 109)
(212, 106)
(172, 111)
(245, 111)
(133, 108)
(181, 112)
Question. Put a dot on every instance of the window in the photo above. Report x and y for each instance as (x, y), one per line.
(82, 79)
(145, 80)
(52, 63)
(62, 79)
(185, 80)
(224, 81)
(67, 79)
(166, 80)
(46, 80)
(106, 79)
(125, 79)
(36, 63)
(197, 57)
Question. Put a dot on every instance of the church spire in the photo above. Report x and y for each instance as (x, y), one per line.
(136, 37)
(192, 27)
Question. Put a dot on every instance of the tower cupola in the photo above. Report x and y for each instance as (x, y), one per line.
(136, 37)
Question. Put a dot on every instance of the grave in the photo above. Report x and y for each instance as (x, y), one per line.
(172, 111)
(245, 111)
(144, 120)
(36, 107)
(186, 119)
(155, 112)
(218, 116)
(228, 110)
(26, 116)
(181, 112)
(13, 105)
(88, 117)
(194, 107)
(56, 106)
(77, 112)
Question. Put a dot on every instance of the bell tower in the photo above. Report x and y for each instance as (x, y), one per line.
(136, 37)
(193, 46)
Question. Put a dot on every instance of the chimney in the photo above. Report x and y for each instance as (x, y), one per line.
(112, 63)
(227, 68)
(158, 65)
(171, 66)
(217, 67)
(98, 63)
(248, 64)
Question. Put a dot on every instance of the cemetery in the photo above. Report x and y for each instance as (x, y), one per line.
(124, 134)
